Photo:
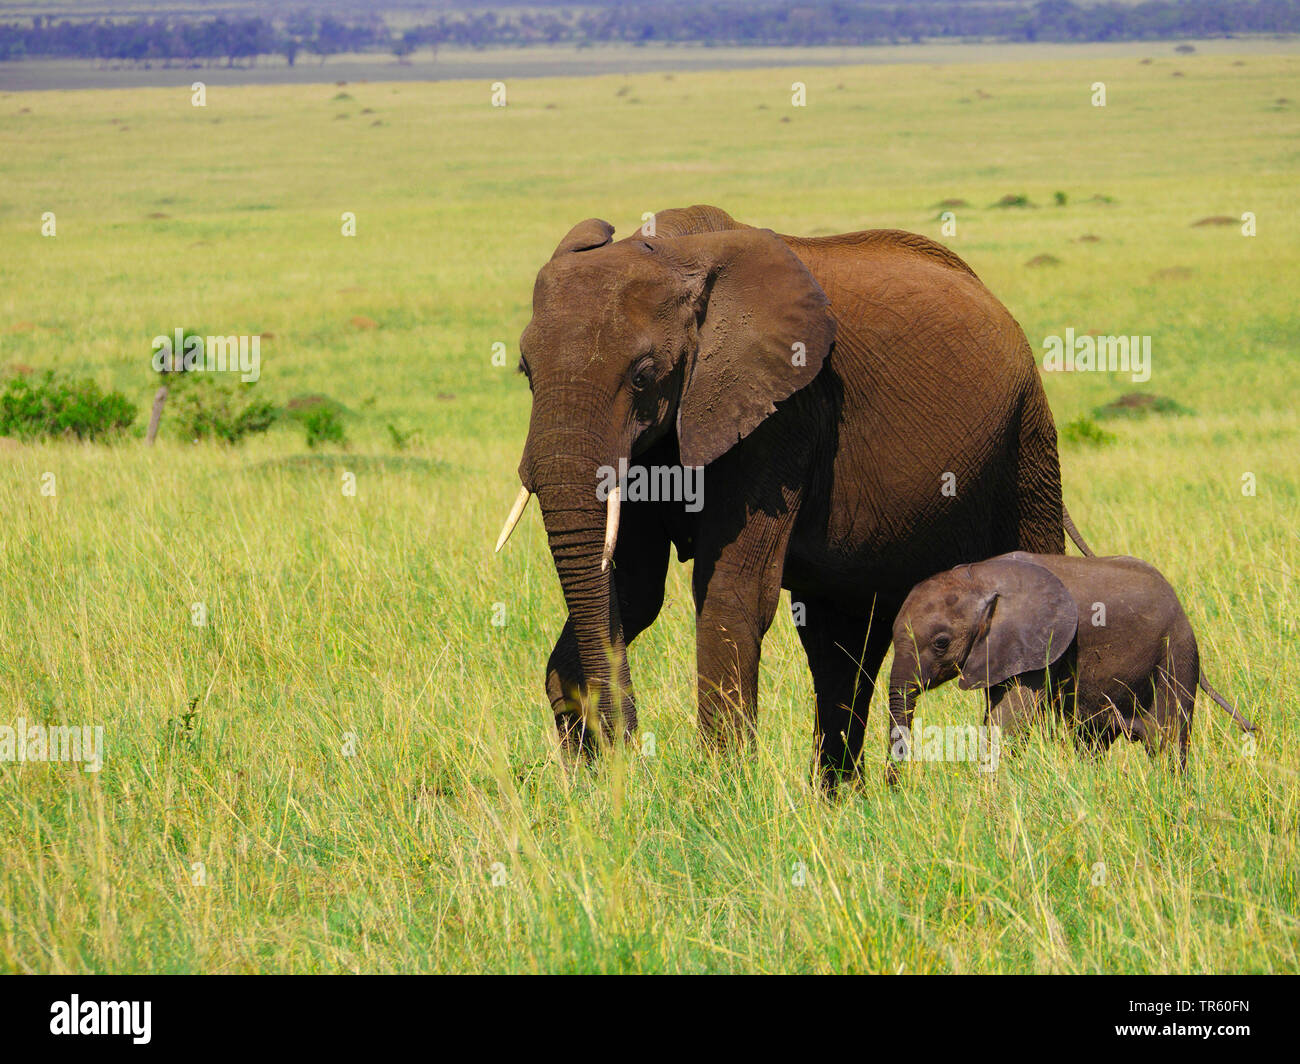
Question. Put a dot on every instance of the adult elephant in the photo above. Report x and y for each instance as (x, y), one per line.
(866, 413)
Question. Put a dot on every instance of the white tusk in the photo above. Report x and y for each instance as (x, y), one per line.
(611, 528)
(516, 511)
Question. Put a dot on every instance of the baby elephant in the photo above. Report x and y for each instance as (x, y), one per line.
(1103, 641)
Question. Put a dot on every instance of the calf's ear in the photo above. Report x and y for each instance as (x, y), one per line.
(1027, 620)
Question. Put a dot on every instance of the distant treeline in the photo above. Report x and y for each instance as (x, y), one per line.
(691, 21)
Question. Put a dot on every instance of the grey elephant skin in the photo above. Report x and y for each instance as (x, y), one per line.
(1102, 642)
(865, 411)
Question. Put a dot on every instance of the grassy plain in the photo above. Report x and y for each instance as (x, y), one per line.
(245, 839)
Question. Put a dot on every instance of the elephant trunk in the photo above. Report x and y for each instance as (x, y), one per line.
(580, 529)
(904, 684)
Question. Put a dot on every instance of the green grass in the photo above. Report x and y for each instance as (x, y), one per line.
(366, 621)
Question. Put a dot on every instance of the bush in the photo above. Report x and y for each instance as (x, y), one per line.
(174, 362)
(323, 426)
(222, 410)
(62, 408)
(1086, 432)
(320, 416)
(301, 407)
(401, 437)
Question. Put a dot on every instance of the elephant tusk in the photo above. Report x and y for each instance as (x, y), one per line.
(611, 528)
(516, 511)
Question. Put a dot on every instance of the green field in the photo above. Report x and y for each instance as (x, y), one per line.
(368, 780)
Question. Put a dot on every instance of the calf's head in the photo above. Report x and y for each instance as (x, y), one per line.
(982, 624)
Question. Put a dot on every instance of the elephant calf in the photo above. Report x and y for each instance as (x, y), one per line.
(1102, 641)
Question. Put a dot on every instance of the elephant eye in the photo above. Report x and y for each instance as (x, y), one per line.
(643, 374)
(941, 643)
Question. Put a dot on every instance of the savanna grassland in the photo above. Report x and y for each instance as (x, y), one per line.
(367, 753)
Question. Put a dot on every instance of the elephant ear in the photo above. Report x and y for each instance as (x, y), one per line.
(1028, 621)
(765, 330)
(593, 233)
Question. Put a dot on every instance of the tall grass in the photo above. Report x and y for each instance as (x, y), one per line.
(366, 780)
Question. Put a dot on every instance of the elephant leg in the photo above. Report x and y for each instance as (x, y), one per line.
(752, 498)
(1094, 734)
(640, 568)
(1093, 743)
(1039, 526)
(1172, 709)
(735, 600)
(1013, 707)
(845, 651)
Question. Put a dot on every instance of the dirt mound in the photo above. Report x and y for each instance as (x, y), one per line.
(309, 402)
(1140, 405)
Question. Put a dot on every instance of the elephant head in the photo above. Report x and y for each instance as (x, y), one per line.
(981, 624)
(697, 333)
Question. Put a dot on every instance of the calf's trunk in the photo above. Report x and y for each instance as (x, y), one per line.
(903, 687)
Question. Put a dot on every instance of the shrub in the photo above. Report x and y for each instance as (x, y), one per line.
(320, 416)
(62, 408)
(1086, 432)
(323, 426)
(174, 361)
(221, 409)
(401, 437)
(301, 407)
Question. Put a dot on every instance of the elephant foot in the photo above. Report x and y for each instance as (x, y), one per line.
(829, 776)
(578, 744)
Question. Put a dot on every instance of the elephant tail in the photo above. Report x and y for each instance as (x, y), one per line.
(1074, 534)
(1242, 722)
